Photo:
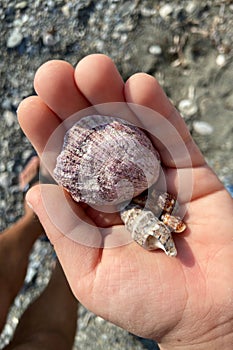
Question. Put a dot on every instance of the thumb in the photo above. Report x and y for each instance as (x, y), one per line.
(68, 228)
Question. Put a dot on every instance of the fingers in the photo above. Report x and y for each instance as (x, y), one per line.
(146, 91)
(55, 85)
(172, 137)
(100, 82)
(37, 121)
(96, 80)
(59, 96)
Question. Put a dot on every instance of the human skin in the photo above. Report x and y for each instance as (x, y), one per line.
(15, 245)
(50, 322)
(184, 302)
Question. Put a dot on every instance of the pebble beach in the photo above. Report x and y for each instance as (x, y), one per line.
(186, 44)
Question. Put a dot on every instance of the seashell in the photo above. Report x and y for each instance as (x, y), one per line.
(165, 10)
(162, 205)
(221, 60)
(157, 202)
(149, 219)
(106, 160)
(155, 50)
(203, 128)
(188, 107)
(166, 201)
(147, 230)
(173, 222)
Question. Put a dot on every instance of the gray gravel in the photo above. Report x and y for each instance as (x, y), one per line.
(187, 45)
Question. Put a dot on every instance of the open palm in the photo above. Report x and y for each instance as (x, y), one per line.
(184, 302)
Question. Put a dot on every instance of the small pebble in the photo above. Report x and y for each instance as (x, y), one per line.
(8, 329)
(221, 60)
(48, 39)
(191, 7)
(166, 10)
(104, 336)
(99, 320)
(31, 273)
(18, 23)
(147, 12)
(6, 104)
(21, 5)
(18, 302)
(187, 107)
(51, 4)
(14, 39)
(2, 204)
(2, 167)
(99, 44)
(4, 180)
(123, 38)
(15, 320)
(10, 118)
(155, 50)
(123, 27)
(10, 165)
(25, 18)
(66, 10)
(203, 128)
(26, 154)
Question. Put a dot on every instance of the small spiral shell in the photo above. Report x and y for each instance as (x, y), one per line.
(147, 230)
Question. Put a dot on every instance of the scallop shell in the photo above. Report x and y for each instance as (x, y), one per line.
(106, 160)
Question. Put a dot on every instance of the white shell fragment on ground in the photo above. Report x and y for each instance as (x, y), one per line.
(165, 10)
(221, 60)
(14, 39)
(187, 107)
(203, 128)
(155, 50)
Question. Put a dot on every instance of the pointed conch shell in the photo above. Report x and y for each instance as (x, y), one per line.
(147, 230)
